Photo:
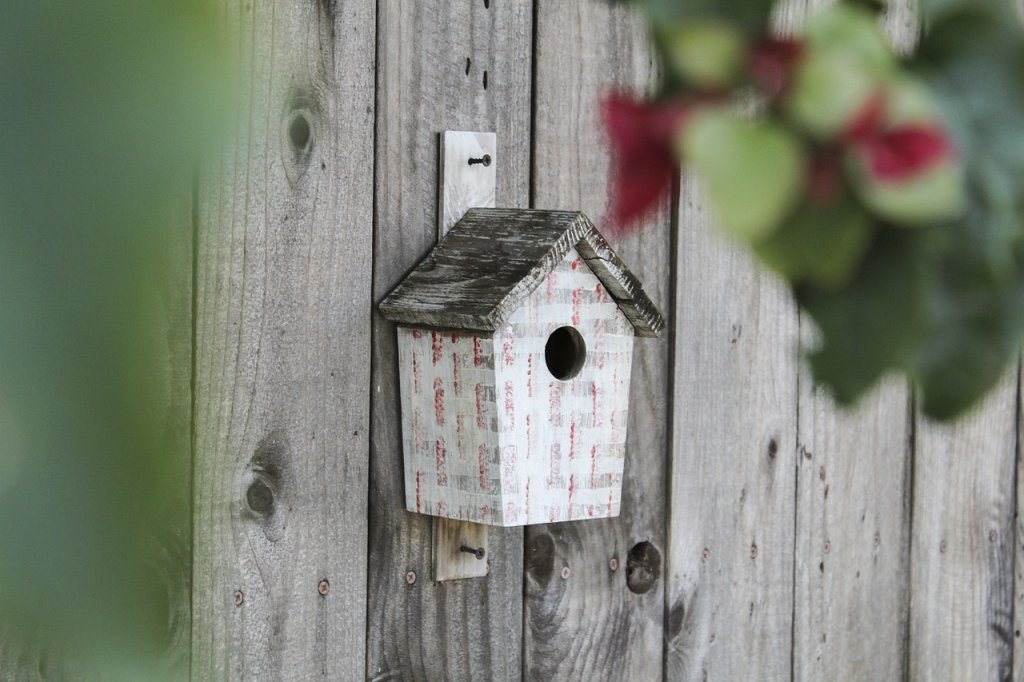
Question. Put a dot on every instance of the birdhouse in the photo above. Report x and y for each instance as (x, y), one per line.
(515, 343)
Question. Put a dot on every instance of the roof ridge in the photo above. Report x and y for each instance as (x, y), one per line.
(460, 285)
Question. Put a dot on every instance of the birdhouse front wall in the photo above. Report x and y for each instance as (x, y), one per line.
(492, 436)
(563, 441)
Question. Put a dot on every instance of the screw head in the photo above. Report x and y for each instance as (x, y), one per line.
(878, 540)
(478, 552)
(753, 551)
(827, 546)
(613, 563)
(705, 555)
(323, 588)
(238, 597)
(565, 572)
(943, 546)
(410, 578)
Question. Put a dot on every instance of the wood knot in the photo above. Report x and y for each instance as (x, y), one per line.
(266, 484)
(643, 567)
(540, 558)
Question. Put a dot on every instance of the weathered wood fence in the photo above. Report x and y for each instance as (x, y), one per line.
(764, 534)
(785, 539)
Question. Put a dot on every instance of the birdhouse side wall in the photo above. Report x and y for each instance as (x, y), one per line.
(563, 442)
(450, 425)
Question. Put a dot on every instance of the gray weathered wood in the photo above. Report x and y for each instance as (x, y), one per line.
(852, 536)
(494, 258)
(853, 515)
(282, 349)
(461, 186)
(433, 58)
(468, 175)
(1018, 538)
(731, 559)
(961, 593)
(590, 625)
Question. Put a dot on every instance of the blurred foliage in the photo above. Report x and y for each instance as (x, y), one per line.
(887, 191)
(105, 108)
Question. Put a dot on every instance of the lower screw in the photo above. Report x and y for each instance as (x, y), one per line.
(478, 552)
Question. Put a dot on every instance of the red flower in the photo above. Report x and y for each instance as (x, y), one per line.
(643, 160)
(899, 152)
(906, 150)
(771, 62)
(824, 177)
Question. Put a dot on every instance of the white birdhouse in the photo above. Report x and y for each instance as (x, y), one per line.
(515, 343)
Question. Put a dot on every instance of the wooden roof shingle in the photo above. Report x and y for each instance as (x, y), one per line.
(493, 258)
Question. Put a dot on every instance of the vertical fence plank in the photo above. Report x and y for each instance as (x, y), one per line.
(852, 549)
(600, 623)
(961, 618)
(282, 349)
(734, 442)
(1018, 537)
(441, 66)
(732, 490)
(853, 514)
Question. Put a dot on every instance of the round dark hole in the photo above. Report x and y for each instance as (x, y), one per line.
(298, 132)
(565, 353)
(643, 567)
(260, 497)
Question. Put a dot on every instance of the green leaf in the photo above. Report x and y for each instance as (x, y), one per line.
(705, 53)
(975, 339)
(972, 58)
(753, 171)
(931, 195)
(878, 322)
(105, 110)
(847, 60)
(819, 244)
(751, 16)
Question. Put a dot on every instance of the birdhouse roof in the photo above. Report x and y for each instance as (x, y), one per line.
(493, 258)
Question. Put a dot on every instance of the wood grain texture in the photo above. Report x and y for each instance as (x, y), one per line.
(961, 618)
(448, 560)
(731, 559)
(852, 536)
(485, 268)
(1018, 538)
(433, 58)
(282, 349)
(853, 511)
(590, 624)
(461, 185)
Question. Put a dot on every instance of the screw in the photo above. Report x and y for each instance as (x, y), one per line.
(410, 577)
(323, 588)
(239, 597)
(827, 546)
(613, 563)
(565, 572)
(478, 552)
(753, 551)
(878, 540)
(705, 555)
(485, 161)
(942, 547)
